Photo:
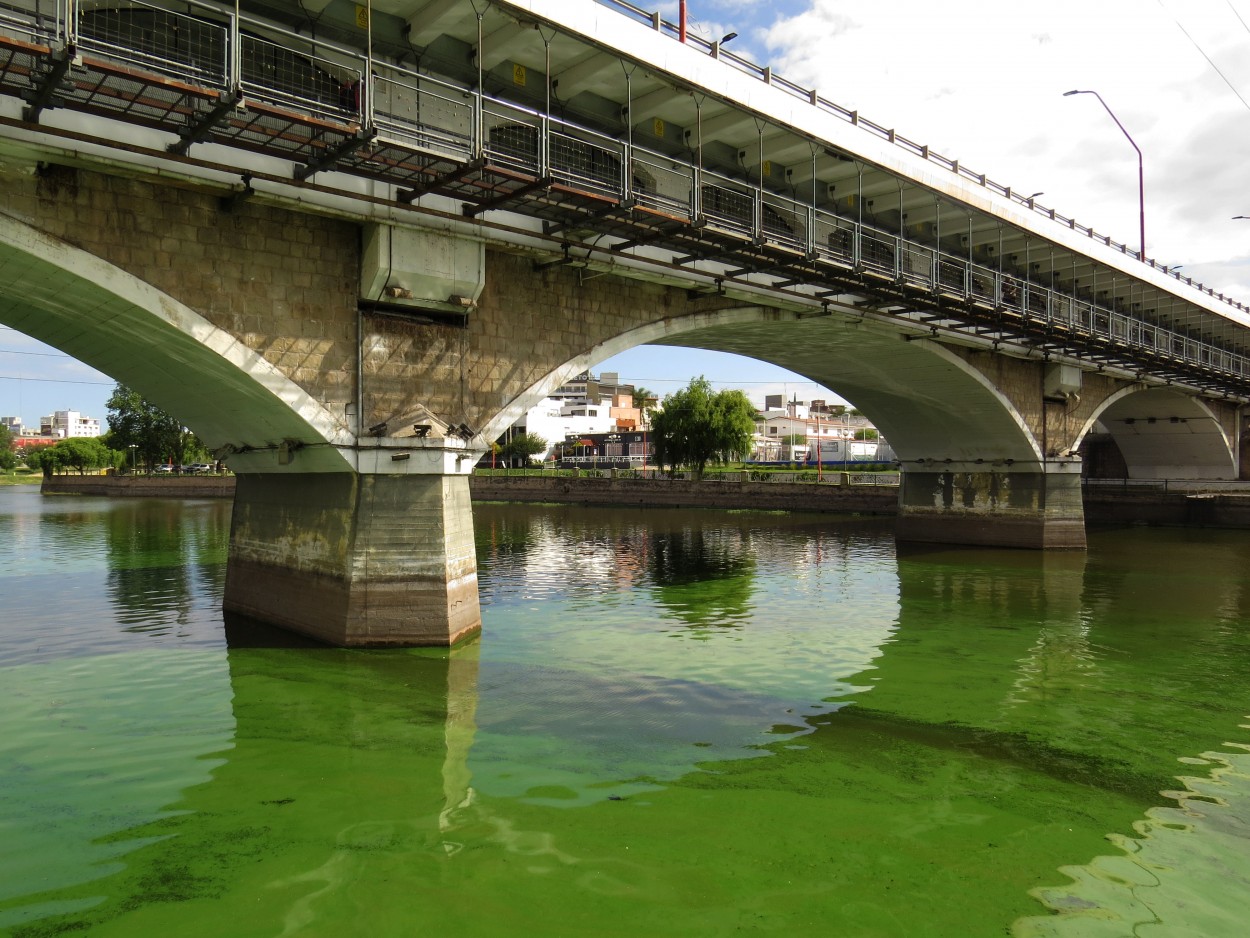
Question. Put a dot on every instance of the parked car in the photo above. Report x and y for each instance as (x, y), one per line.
(164, 468)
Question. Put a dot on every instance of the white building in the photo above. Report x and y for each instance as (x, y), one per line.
(14, 424)
(67, 424)
(554, 419)
(802, 434)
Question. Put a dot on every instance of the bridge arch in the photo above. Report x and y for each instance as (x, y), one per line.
(928, 401)
(1163, 433)
(123, 326)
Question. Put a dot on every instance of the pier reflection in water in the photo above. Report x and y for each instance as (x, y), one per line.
(674, 723)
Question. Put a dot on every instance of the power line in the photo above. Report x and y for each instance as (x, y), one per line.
(102, 384)
(14, 351)
(1238, 15)
(1210, 62)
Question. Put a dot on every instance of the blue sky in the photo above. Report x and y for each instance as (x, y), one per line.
(977, 80)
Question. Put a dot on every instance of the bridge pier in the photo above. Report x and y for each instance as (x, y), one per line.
(355, 558)
(1036, 507)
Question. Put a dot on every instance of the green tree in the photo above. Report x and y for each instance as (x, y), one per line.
(82, 453)
(47, 459)
(523, 447)
(8, 458)
(136, 421)
(697, 425)
(866, 433)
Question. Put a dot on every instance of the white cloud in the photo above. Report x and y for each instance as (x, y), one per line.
(983, 82)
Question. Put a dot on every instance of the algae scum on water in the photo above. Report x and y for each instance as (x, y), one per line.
(674, 723)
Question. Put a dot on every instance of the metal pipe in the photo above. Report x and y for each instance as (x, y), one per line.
(681, 21)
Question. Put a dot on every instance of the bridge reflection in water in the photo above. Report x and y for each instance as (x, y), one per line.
(920, 753)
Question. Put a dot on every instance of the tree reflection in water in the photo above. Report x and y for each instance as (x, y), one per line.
(704, 578)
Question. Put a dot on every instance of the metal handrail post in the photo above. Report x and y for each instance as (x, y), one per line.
(70, 25)
(234, 61)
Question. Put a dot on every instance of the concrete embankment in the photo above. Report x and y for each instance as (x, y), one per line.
(1179, 509)
(676, 493)
(158, 486)
(1109, 506)
(765, 496)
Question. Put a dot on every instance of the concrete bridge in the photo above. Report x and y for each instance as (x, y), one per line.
(349, 245)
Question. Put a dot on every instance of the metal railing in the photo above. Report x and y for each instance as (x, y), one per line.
(768, 76)
(183, 46)
(335, 84)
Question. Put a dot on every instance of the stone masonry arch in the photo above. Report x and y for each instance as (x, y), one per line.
(110, 319)
(1165, 434)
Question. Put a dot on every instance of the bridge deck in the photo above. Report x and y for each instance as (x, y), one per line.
(203, 74)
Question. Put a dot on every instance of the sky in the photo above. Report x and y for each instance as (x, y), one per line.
(980, 81)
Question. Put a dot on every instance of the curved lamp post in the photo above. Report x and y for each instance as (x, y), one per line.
(1141, 177)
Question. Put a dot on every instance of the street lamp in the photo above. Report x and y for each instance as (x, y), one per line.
(132, 447)
(1141, 177)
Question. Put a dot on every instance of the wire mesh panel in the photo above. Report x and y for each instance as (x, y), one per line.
(952, 276)
(660, 183)
(1011, 293)
(589, 162)
(324, 87)
(728, 204)
(513, 137)
(833, 238)
(178, 45)
(424, 114)
(784, 221)
(878, 252)
(916, 264)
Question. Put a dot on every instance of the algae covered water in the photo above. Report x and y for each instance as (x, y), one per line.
(675, 723)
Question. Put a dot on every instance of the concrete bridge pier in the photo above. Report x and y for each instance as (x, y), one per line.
(1035, 506)
(356, 558)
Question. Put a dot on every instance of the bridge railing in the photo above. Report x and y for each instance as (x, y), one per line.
(767, 75)
(424, 113)
(207, 45)
(37, 22)
(188, 46)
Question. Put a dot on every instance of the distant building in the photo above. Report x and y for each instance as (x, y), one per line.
(68, 424)
(24, 444)
(14, 424)
(588, 405)
(613, 450)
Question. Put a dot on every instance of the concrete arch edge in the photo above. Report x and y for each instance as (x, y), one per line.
(108, 318)
(1171, 425)
(884, 389)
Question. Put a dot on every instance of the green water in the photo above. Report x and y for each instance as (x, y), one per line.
(675, 723)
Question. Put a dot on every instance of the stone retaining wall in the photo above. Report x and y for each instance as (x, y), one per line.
(656, 493)
(142, 486)
(643, 493)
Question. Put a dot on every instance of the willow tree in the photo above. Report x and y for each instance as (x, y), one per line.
(697, 425)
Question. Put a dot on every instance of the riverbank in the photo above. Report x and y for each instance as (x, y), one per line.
(603, 490)
(1103, 505)
(138, 486)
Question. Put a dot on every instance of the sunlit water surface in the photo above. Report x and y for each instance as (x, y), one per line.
(675, 723)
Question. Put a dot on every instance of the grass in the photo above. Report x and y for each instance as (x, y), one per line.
(20, 477)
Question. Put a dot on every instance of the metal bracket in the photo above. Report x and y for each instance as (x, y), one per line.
(408, 196)
(45, 93)
(199, 131)
(330, 157)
